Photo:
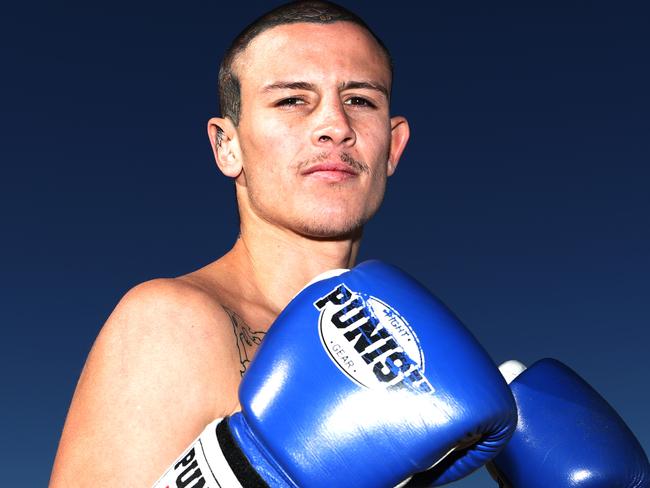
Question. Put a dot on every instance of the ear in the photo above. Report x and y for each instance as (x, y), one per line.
(399, 136)
(225, 146)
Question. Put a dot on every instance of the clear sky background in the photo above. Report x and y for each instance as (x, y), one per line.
(522, 199)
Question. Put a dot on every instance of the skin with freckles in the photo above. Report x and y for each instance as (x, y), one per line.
(309, 158)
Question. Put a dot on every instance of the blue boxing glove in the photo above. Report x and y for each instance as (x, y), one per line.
(567, 435)
(364, 379)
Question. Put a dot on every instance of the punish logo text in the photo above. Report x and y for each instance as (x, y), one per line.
(370, 341)
(191, 475)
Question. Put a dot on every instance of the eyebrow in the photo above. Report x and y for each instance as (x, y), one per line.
(305, 85)
(355, 85)
(290, 85)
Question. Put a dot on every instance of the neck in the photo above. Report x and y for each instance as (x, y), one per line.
(277, 262)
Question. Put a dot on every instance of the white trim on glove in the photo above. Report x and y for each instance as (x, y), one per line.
(202, 459)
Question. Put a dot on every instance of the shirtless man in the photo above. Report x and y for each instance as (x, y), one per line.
(307, 137)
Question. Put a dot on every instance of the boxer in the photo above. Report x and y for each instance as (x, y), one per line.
(307, 137)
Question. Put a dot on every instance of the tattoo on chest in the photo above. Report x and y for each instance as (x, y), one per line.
(246, 339)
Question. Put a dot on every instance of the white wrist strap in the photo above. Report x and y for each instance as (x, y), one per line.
(511, 369)
(202, 460)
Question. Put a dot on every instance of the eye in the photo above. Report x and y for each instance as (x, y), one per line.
(290, 102)
(360, 101)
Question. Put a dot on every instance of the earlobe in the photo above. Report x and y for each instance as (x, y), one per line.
(399, 136)
(225, 146)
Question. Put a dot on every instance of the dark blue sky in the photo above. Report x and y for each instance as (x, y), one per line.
(522, 199)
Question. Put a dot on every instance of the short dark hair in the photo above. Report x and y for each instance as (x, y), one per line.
(310, 11)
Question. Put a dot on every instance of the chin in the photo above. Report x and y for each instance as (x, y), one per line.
(330, 227)
(331, 234)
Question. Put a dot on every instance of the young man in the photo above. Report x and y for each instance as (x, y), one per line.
(306, 135)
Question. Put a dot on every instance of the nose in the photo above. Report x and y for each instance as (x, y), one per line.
(333, 126)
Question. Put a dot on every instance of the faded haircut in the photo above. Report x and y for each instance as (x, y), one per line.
(315, 12)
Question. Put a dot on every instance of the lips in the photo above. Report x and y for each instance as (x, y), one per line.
(331, 169)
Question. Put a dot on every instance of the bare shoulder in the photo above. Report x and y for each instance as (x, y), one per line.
(172, 326)
(167, 313)
(163, 366)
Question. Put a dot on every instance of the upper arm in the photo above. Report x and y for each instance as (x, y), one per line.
(159, 371)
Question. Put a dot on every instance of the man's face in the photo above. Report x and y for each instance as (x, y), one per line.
(315, 133)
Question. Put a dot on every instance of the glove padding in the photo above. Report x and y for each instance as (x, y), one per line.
(567, 436)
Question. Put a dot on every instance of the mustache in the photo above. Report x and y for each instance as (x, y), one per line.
(355, 164)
